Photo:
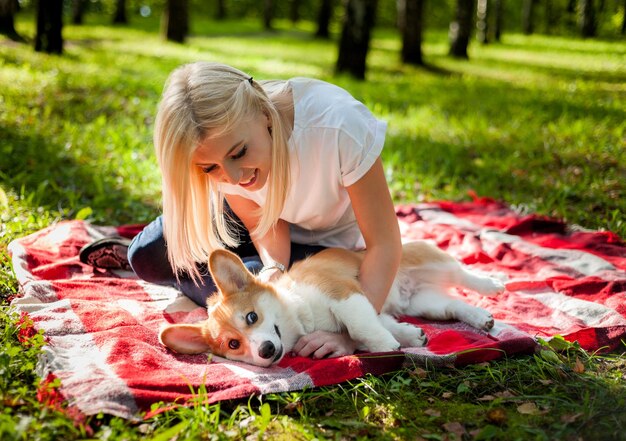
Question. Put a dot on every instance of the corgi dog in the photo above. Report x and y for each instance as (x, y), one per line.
(258, 323)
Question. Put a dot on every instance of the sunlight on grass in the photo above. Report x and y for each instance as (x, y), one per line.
(537, 106)
(538, 122)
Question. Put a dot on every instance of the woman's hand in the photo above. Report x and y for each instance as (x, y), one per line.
(320, 344)
(269, 275)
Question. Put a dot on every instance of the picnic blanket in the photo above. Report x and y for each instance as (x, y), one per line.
(101, 327)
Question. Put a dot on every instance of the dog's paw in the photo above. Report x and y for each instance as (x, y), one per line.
(483, 320)
(492, 287)
(410, 336)
(383, 345)
(488, 323)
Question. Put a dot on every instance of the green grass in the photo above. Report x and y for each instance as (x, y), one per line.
(538, 122)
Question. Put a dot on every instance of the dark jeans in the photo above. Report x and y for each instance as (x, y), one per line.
(147, 255)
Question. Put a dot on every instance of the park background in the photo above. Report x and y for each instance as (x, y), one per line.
(534, 119)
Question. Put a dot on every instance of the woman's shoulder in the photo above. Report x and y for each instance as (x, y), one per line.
(319, 104)
(304, 87)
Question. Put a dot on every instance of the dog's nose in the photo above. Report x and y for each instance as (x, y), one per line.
(267, 350)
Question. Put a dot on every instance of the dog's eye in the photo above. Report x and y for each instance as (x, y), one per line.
(233, 344)
(251, 318)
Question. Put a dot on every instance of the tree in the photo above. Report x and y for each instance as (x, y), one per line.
(175, 22)
(624, 20)
(497, 23)
(119, 16)
(324, 16)
(587, 19)
(78, 11)
(268, 14)
(528, 16)
(8, 8)
(482, 21)
(411, 23)
(461, 28)
(550, 16)
(294, 11)
(220, 11)
(354, 44)
(49, 37)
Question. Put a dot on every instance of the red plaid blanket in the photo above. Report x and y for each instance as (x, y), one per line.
(101, 327)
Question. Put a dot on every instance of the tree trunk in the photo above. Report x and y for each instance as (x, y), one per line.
(461, 28)
(482, 21)
(294, 11)
(8, 8)
(499, 10)
(120, 17)
(411, 23)
(358, 22)
(324, 16)
(528, 17)
(550, 17)
(268, 14)
(175, 21)
(624, 20)
(49, 37)
(587, 19)
(78, 11)
(220, 12)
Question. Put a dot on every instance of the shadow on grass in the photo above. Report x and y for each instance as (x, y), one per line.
(614, 77)
(44, 175)
(595, 46)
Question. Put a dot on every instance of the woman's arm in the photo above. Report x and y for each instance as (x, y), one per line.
(375, 214)
(275, 246)
(377, 220)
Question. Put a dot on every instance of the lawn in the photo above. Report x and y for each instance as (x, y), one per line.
(536, 121)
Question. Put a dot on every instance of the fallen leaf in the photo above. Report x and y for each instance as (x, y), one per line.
(505, 394)
(294, 406)
(144, 428)
(432, 412)
(419, 373)
(456, 428)
(496, 416)
(528, 409)
(487, 398)
(447, 395)
(571, 418)
(579, 367)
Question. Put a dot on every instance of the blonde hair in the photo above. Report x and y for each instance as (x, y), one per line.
(203, 100)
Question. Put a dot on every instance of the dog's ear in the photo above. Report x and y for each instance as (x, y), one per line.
(228, 271)
(184, 339)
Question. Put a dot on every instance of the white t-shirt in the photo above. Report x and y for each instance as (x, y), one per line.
(335, 141)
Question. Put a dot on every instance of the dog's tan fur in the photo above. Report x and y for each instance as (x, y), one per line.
(323, 293)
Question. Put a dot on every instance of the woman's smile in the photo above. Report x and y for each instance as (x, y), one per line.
(250, 182)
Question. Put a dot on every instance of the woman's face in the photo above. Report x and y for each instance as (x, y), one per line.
(239, 157)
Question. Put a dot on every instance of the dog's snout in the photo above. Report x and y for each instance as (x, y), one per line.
(267, 350)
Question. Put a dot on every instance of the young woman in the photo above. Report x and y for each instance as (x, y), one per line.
(272, 170)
